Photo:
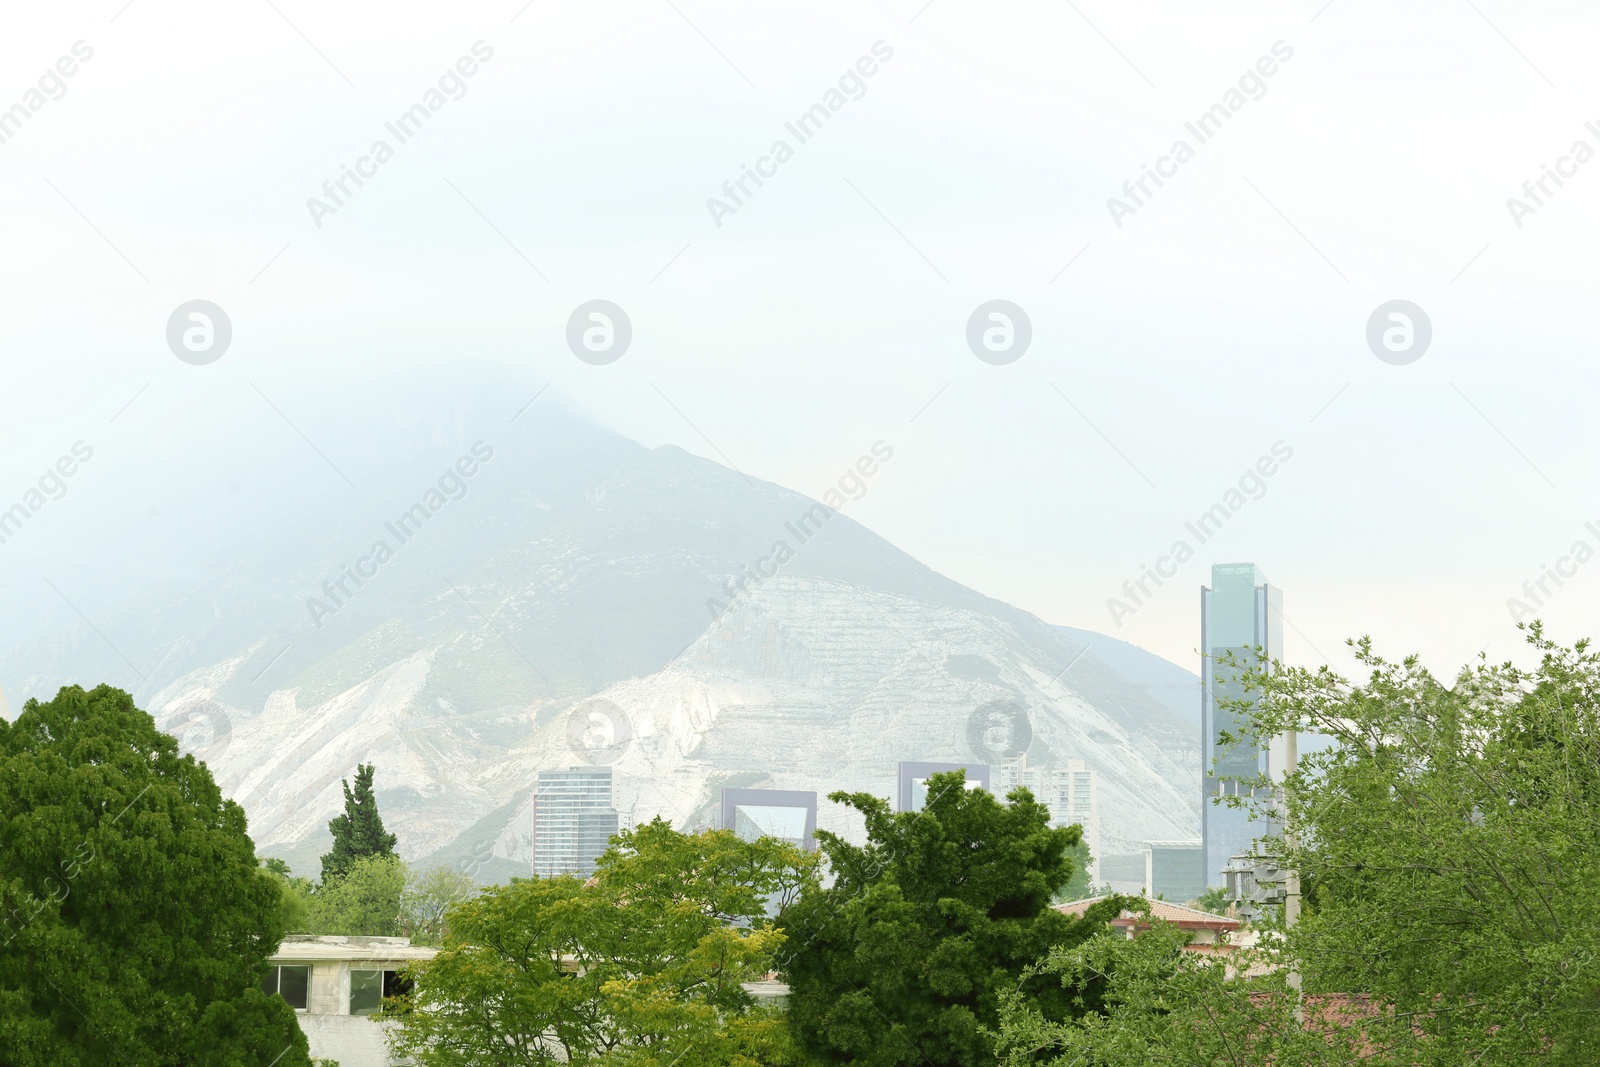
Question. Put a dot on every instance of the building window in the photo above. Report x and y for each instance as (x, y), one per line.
(368, 988)
(292, 982)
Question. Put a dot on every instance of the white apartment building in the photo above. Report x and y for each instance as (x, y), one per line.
(1069, 793)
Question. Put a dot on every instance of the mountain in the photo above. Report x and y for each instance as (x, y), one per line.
(504, 594)
(1165, 682)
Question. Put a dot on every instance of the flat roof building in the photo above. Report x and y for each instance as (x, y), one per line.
(334, 983)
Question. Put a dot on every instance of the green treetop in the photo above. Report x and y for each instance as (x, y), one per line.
(904, 960)
(359, 831)
(642, 965)
(1448, 849)
(135, 924)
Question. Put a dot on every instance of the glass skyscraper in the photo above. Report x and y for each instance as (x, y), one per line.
(573, 820)
(1239, 614)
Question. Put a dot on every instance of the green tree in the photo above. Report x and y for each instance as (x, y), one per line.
(1163, 1004)
(295, 894)
(135, 923)
(429, 896)
(1078, 887)
(642, 965)
(905, 958)
(1214, 900)
(359, 831)
(1448, 846)
(366, 900)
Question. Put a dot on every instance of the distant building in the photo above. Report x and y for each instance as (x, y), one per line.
(786, 814)
(1174, 870)
(573, 820)
(333, 983)
(1068, 792)
(1208, 933)
(1239, 613)
(1124, 872)
(912, 781)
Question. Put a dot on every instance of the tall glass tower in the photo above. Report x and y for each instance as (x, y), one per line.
(1239, 614)
(573, 820)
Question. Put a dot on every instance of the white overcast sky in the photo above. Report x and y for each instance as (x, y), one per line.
(1172, 352)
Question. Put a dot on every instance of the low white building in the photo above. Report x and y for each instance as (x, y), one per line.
(335, 983)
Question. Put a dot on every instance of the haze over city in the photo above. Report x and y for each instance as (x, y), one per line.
(510, 446)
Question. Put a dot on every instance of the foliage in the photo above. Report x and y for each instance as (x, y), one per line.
(1078, 887)
(1163, 1004)
(367, 900)
(359, 831)
(1215, 901)
(134, 922)
(642, 965)
(429, 895)
(294, 895)
(906, 957)
(1449, 850)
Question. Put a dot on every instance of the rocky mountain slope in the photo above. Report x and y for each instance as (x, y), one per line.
(569, 602)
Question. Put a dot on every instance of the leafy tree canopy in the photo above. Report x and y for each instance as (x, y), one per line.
(1449, 849)
(641, 965)
(429, 896)
(134, 922)
(1163, 1004)
(905, 958)
(367, 900)
(295, 896)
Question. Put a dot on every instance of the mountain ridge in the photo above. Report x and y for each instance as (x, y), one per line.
(577, 570)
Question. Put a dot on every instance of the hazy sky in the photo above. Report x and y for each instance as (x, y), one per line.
(1172, 346)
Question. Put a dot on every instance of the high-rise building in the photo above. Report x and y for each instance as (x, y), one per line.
(786, 814)
(573, 820)
(1241, 616)
(912, 781)
(1068, 792)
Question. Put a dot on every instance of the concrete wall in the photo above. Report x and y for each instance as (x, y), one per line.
(353, 1040)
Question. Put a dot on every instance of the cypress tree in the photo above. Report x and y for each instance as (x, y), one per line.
(359, 831)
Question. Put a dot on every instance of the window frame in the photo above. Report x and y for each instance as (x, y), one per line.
(387, 976)
(275, 977)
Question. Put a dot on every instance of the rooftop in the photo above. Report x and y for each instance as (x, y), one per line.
(339, 947)
(1180, 916)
